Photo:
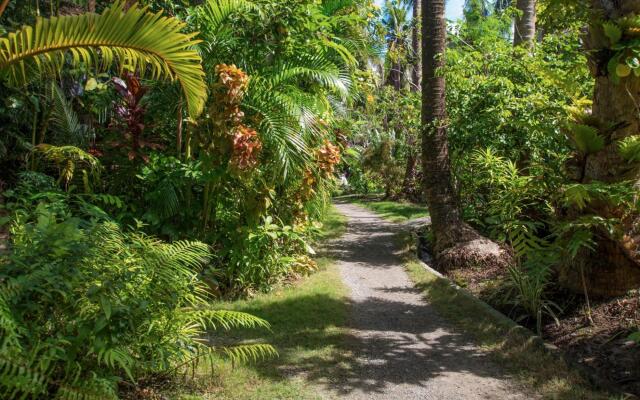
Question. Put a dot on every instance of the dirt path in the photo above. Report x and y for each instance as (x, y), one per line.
(402, 348)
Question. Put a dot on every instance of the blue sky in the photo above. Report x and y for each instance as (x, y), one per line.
(454, 8)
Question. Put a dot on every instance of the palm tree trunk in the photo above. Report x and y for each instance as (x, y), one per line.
(456, 243)
(525, 26)
(616, 269)
(416, 44)
(91, 6)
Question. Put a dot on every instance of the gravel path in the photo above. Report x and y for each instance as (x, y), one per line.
(402, 349)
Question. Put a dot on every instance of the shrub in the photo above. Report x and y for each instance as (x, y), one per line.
(85, 306)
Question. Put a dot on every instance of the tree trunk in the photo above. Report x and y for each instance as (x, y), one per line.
(408, 184)
(91, 6)
(179, 131)
(456, 243)
(395, 77)
(416, 44)
(525, 25)
(616, 268)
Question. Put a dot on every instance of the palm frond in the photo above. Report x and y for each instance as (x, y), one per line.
(217, 11)
(316, 68)
(65, 120)
(135, 38)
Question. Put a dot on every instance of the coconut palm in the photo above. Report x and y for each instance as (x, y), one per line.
(398, 25)
(456, 243)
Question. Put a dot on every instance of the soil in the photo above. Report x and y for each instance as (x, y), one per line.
(602, 349)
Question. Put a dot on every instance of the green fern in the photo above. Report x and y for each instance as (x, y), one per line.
(585, 138)
(69, 159)
(84, 305)
(630, 148)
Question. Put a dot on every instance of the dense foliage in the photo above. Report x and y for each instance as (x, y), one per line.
(157, 156)
(521, 135)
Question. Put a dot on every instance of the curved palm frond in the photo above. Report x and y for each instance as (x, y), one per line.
(279, 129)
(135, 38)
(316, 68)
(217, 11)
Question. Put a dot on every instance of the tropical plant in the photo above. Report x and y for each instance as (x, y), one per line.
(85, 307)
(136, 39)
(526, 289)
(68, 159)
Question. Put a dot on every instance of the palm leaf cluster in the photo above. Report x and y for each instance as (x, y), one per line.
(293, 96)
(135, 39)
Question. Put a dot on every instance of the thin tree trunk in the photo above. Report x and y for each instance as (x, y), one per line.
(3, 6)
(91, 6)
(416, 43)
(525, 25)
(408, 184)
(616, 269)
(456, 243)
(179, 131)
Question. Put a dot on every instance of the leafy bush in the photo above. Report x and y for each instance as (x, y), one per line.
(257, 258)
(85, 306)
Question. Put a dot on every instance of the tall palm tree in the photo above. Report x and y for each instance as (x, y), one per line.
(398, 31)
(416, 46)
(525, 25)
(456, 243)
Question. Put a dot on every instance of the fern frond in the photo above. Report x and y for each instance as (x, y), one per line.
(94, 389)
(135, 39)
(215, 319)
(250, 352)
(585, 138)
(65, 119)
(629, 148)
(16, 377)
(68, 159)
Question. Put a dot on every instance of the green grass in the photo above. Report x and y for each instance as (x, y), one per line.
(307, 328)
(395, 211)
(333, 226)
(511, 346)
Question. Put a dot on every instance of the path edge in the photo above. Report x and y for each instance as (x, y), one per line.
(512, 330)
